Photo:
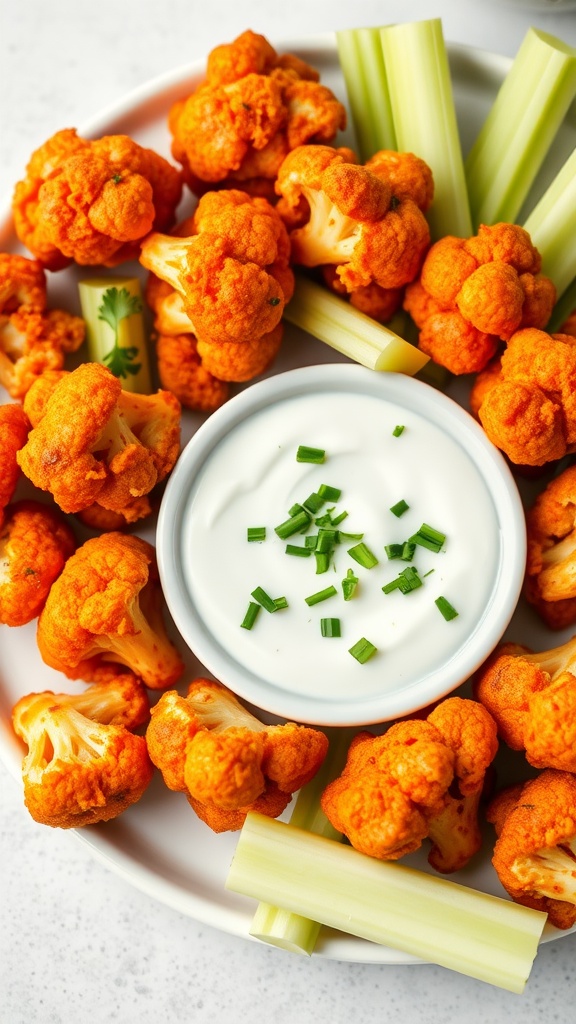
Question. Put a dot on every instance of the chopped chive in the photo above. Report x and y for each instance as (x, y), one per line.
(405, 582)
(307, 454)
(350, 536)
(362, 650)
(429, 573)
(281, 602)
(329, 493)
(330, 627)
(428, 537)
(392, 585)
(325, 520)
(398, 430)
(362, 554)
(300, 550)
(256, 533)
(326, 539)
(320, 595)
(394, 550)
(295, 509)
(322, 561)
(400, 508)
(349, 584)
(264, 599)
(447, 610)
(251, 615)
(296, 523)
(408, 549)
(311, 540)
(313, 502)
(339, 518)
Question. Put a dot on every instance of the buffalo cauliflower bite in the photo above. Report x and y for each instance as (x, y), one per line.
(551, 564)
(479, 291)
(355, 220)
(228, 762)
(94, 442)
(83, 764)
(421, 778)
(535, 850)
(92, 201)
(33, 338)
(232, 278)
(14, 427)
(532, 698)
(252, 108)
(35, 543)
(528, 407)
(379, 303)
(106, 606)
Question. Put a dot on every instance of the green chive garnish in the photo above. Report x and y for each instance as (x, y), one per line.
(362, 650)
(326, 539)
(296, 523)
(447, 610)
(264, 599)
(428, 537)
(406, 581)
(330, 627)
(307, 454)
(362, 554)
(339, 518)
(408, 549)
(393, 550)
(329, 493)
(256, 533)
(320, 595)
(299, 550)
(398, 430)
(281, 602)
(311, 540)
(251, 615)
(322, 561)
(313, 503)
(349, 584)
(400, 508)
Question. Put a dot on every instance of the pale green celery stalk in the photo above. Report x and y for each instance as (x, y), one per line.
(424, 115)
(115, 335)
(437, 920)
(334, 321)
(552, 227)
(520, 128)
(563, 308)
(271, 923)
(362, 64)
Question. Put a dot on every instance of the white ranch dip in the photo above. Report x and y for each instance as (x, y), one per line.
(252, 478)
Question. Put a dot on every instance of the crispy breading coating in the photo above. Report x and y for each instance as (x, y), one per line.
(35, 542)
(550, 584)
(14, 427)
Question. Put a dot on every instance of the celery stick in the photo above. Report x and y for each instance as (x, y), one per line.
(483, 936)
(281, 927)
(112, 308)
(552, 226)
(519, 130)
(424, 115)
(335, 322)
(362, 64)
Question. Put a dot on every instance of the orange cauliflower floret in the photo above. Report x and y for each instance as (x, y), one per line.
(422, 778)
(252, 108)
(93, 442)
(33, 338)
(532, 698)
(551, 564)
(83, 763)
(228, 762)
(232, 279)
(92, 201)
(479, 291)
(34, 545)
(535, 852)
(379, 303)
(528, 407)
(14, 427)
(107, 606)
(355, 220)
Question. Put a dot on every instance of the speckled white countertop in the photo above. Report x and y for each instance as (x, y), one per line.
(78, 942)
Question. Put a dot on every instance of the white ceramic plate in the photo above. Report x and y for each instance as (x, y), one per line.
(159, 846)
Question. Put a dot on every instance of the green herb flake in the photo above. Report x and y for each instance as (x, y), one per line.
(264, 599)
(400, 508)
(361, 553)
(320, 595)
(362, 650)
(349, 585)
(330, 627)
(307, 454)
(256, 533)
(445, 608)
(398, 430)
(251, 615)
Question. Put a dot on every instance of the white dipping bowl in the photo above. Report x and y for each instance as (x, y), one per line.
(240, 470)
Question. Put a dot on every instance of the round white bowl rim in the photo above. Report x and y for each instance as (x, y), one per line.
(396, 703)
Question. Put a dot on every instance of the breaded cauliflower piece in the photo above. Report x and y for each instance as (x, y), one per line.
(355, 220)
(550, 584)
(106, 606)
(532, 698)
(481, 290)
(83, 764)
(535, 851)
(233, 279)
(33, 338)
(528, 408)
(379, 303)
(421, 778)
(35, 543)
(252, 108)
(228, 762)
(14, 427)
(92, 442)
(92, 201)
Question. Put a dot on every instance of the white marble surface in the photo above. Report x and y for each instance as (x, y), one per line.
(76, 941)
